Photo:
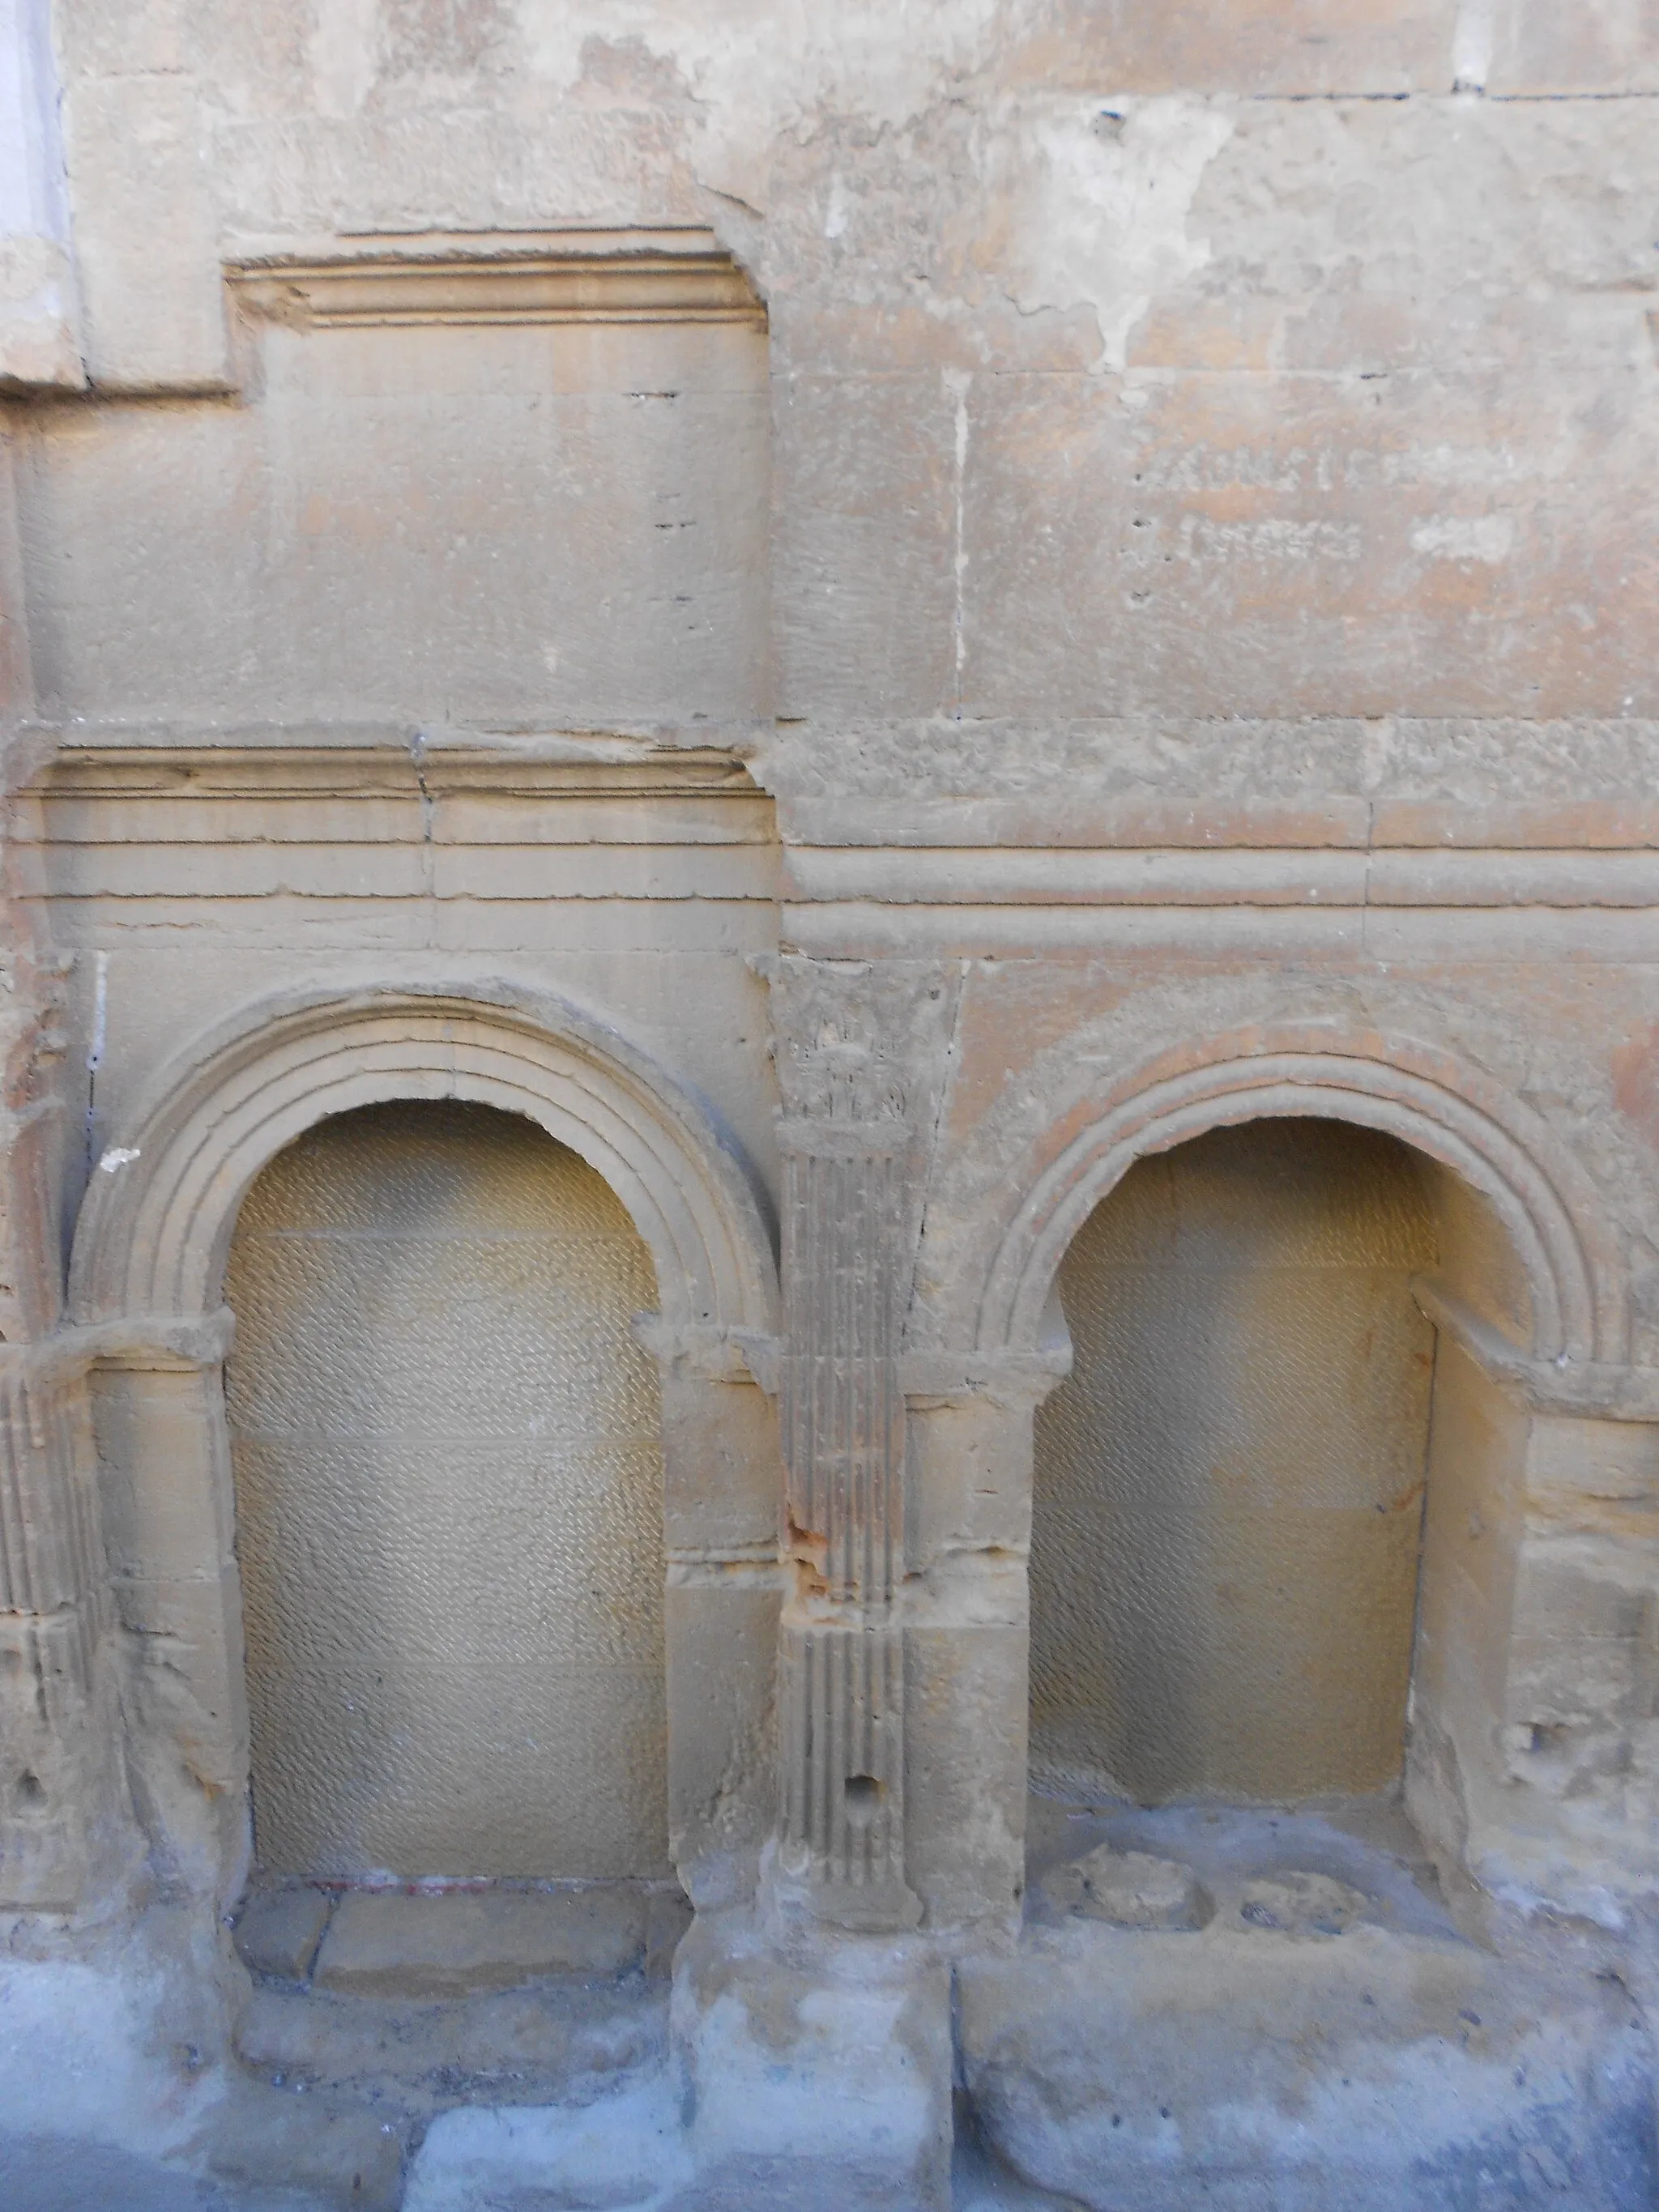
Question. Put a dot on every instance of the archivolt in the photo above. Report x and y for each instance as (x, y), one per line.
(155, 1227)
(1442, 1108)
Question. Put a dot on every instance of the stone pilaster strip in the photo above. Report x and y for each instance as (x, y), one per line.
(844, 1138)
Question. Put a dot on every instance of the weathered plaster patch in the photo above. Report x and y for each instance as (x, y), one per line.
(1472, 45)
(343, 52)
(1100, 208)
(756, 74)
(1488, 537)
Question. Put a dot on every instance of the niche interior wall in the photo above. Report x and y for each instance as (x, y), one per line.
(447, 1451)
(1228, 1498)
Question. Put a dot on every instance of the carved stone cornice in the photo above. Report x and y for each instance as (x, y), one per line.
(669, 275)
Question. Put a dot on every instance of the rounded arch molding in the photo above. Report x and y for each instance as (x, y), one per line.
(1437, 1104)
(155, 1226)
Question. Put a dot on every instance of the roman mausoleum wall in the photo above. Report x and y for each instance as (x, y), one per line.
(993, 666)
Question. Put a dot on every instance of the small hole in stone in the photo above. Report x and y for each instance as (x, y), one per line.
(30, 1790)
(861, 1794)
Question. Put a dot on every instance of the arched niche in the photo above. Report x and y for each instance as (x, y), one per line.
(1531, 1217)
(449, 1461)
(156, 1222)
(1526, 1303)
(1228, 1487)
(148, 1275)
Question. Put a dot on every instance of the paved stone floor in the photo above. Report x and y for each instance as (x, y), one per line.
(38, 2175)
(41, 2174)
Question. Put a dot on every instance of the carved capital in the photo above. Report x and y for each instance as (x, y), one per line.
(839, 1042)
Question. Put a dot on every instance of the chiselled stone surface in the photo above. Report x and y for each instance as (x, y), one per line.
(1228, 1486)
(435, 1367)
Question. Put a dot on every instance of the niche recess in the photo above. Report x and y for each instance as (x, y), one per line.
(448, 1462)
(1229, 1488)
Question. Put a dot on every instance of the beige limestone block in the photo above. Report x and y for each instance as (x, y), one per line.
(146, 234)
(340, 2147)
(278, 1930)
(1109, 2067)
(164, 1492)
(1248, 47)
(1603, 46)
(339, 549)
(392, 1944)
(39, 333)
(723, 1467)
(1108, 531)
(966, 1742)
(818, 2075)
(865, 585)
(721, 1619)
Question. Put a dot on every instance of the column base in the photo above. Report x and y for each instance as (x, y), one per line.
(794, 1905)
(816, 2067)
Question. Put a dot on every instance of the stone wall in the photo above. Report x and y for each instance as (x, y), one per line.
(868, 616)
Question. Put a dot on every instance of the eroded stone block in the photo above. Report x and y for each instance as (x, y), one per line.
(279, 1930)
(1301, 1904)
(1131, 1889)
(819, 2076)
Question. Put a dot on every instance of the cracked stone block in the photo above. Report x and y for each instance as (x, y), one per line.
(1301, 1904)
(278, 1930)
(390, 1944)
(1131, 1889)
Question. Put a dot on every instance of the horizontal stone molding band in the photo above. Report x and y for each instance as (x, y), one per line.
(1009, 1377)
(666, 275)
(814, 1137)
(1450, 1111)
(156, 1222)
(1221, 875)
(1604, 936)
(1587, 1389)
(1222, 822)
(180, 1341)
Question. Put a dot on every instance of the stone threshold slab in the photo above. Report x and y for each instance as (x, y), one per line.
(444, 1944)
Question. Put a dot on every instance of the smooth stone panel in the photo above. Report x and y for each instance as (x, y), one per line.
(391, 1944)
